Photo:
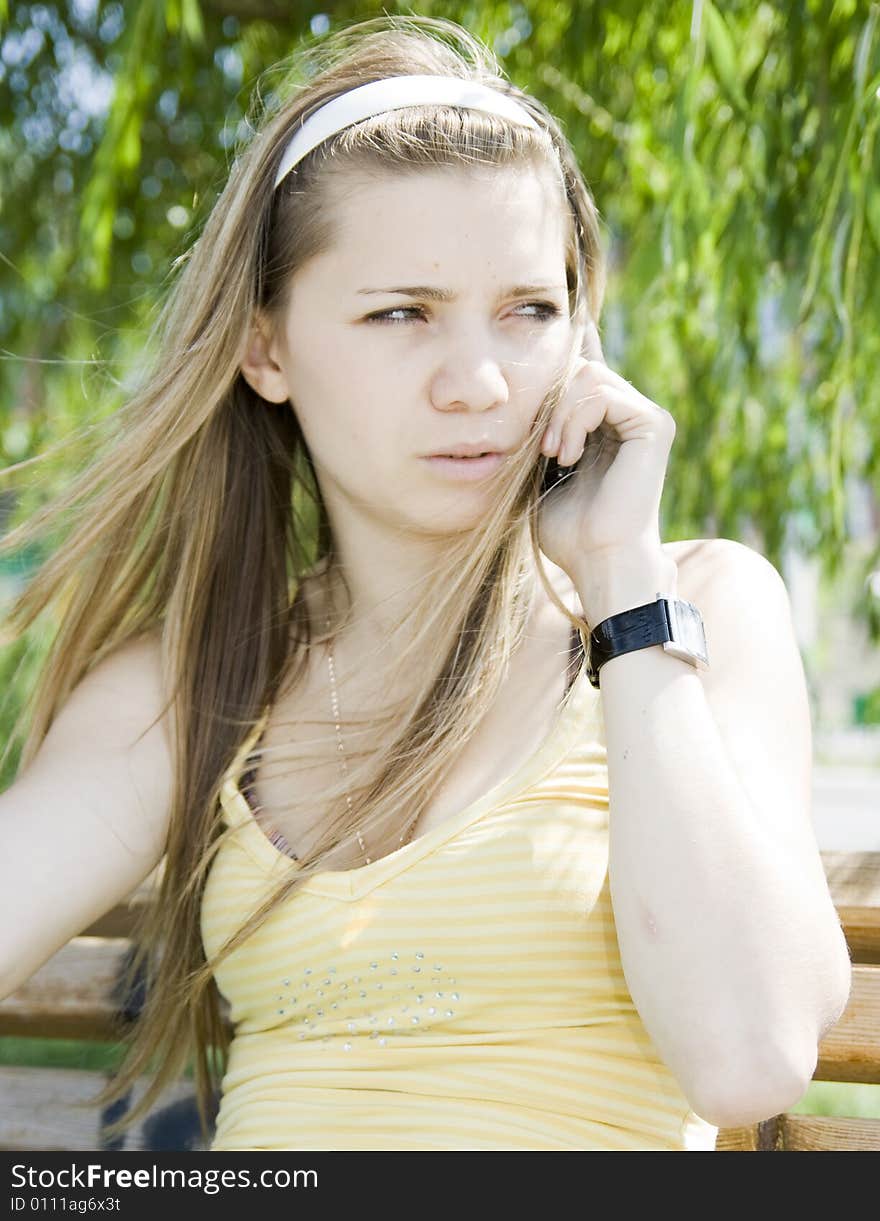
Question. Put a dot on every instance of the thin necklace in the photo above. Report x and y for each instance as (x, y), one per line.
(405, 836)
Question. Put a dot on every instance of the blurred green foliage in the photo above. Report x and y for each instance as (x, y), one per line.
(867, 708)
(832, 1098)
(732, 151)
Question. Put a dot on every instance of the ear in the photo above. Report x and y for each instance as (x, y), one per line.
(259, 368)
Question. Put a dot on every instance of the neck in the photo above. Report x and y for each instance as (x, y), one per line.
(386, 575)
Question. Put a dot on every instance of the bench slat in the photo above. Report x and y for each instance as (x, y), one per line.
(754, 1138)
(793, 1133)
(51, 1108)
(861, 927)
(75, 995)
(802, 1133)
(853, 877)
(851, 1049)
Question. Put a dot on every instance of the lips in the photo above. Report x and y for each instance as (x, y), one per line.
(466, 451)
(465, 468)
(483, 454)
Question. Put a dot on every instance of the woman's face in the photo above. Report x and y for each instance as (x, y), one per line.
(379, 379)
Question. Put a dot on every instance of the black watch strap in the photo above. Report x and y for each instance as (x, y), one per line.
(669, 622)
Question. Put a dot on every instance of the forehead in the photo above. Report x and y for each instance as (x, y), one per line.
(510, 218)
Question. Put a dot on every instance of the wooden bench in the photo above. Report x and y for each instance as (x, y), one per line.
(75, 996)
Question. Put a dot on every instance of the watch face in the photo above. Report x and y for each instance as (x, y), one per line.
(688, 628)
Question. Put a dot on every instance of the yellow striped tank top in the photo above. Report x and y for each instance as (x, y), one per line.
(464, 992)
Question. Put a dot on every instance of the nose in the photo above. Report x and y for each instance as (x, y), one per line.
(469, 378)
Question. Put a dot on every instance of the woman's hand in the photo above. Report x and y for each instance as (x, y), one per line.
(619, 442)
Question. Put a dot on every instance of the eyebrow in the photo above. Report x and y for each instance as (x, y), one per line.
(430, 293)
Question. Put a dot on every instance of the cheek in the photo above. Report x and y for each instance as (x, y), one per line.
(346, 432)
(532, 392)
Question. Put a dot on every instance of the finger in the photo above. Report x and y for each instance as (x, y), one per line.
(553, 432)
(585, 418)
(571, 451)
(626, 413)
(575, 420)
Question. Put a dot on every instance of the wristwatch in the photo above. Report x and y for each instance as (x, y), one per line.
(672, 622)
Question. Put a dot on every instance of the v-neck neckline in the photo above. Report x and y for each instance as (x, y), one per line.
(576, 716)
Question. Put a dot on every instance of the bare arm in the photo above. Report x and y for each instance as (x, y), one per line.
(729, 940)
(86, 821)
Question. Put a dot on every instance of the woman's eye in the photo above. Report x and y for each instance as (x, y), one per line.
(546, 308)
(384, 315)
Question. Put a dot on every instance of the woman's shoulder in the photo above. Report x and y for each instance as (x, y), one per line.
(694, 558)
(708, 568)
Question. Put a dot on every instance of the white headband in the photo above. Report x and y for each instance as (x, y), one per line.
(393, 93)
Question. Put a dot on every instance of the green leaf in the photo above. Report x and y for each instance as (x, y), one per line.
(872, 216)
(724, 56)
(863, 51)
(191, 21)
(172, 16)
(129, 147)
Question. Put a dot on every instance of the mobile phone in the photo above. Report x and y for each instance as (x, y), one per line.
(553, 472)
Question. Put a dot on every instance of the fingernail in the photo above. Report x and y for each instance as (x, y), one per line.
(549, 440)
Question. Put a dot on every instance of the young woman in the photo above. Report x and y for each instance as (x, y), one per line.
(324, 663)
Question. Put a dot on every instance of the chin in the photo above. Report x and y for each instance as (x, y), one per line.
(456, 519)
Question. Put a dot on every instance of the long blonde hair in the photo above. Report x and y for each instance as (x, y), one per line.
(201, 519)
